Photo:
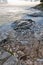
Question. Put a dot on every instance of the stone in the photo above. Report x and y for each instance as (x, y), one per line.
(36, 14)
(14, 24)
(40, 53)
(24, 42)
(20, 54)
(4, 32)
(33, 53)
(38, 62)
(27, 48)
(29, 62)
(4, 54)
(23, 24)
(11, 61)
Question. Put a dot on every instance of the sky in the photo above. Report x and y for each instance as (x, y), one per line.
(18, 2)
(14, 0)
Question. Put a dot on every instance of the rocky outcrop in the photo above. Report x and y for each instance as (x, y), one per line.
(36, 14)
(40, 7)
(21, 43)
(23, 24)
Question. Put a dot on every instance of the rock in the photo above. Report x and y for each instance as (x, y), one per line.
(20, 54)
(24, 29)
(38, 62)
(15, 24)
(40, 53)
(23, 58)
(39, 32)
(3, 37)
(39, 7)
(41, 60)
(11, 61)
(27, 48)
(4, 54)
(24, 42)
(4, 32)
(23, 24)
(23, 39)
(29, 62)
(21, 63)
(33, 53)
(36, 14)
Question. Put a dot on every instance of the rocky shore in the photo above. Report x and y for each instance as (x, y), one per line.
(21, 43)
(40, 6)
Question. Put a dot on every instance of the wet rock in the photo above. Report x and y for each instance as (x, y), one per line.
(24, 29)
(40, 14)
(4, 32)
(39, 32)
(3, 37)
(15, 24)
(23, 24)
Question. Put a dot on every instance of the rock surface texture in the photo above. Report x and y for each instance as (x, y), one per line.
(21, 43)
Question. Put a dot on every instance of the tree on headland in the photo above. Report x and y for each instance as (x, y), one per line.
(39, 6)
(41, 0)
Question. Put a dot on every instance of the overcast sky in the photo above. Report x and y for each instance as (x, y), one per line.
(14, 0)
(18, 1)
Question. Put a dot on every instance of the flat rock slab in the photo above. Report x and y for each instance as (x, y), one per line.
(19, 29)
(11, 61)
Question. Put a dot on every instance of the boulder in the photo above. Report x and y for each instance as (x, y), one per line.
(11, 61)
(23, 24)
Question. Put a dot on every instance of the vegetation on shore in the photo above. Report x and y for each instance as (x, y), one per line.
(39, 6)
